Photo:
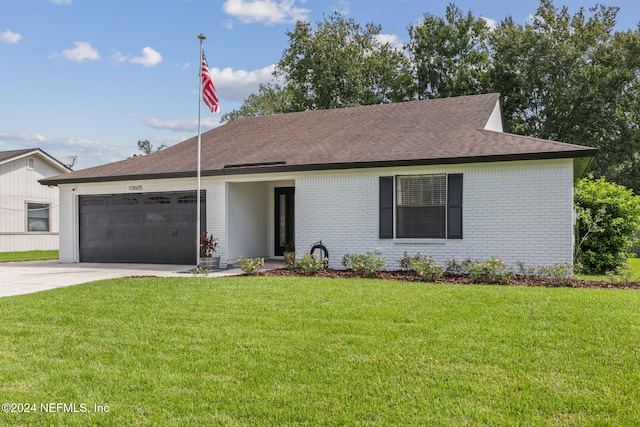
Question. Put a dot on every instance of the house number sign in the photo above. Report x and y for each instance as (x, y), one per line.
(135, 188)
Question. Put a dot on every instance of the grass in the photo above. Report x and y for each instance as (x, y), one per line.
(28, 256)
(306, 351)
(634, 271)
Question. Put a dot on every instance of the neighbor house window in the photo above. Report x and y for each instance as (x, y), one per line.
(38, 217)
(424, 206)
(31, 163)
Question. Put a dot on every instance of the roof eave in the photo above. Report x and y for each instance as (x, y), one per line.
(573, 154)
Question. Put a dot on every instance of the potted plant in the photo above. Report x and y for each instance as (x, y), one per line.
(289, 253)
(208, 247)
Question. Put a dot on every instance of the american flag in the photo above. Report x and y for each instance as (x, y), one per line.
(208, 89)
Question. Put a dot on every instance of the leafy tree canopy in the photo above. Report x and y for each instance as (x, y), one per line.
(450, 54)
(146, 147)
(337, 64)
(570, 78)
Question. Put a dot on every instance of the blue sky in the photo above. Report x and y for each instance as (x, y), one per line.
(92, 77)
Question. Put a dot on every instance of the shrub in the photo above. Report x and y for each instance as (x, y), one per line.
(492, 270)
(624, 275)
(456, 268)
(363, 265)
(250, 266)
(607, 222)
(200, 272)
(423, 266)
(311, 265)
(561, 274)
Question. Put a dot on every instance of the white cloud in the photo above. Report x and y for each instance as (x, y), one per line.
(29, 139)
(149, 58)
(238, 85)
(82, 52)
(191, 125)
(343, 7)
(89, 152)
(183, 67)
(10, 37)
(269, 12)
(392, 39)
(118, 57)
(491, 23)
(60, 1)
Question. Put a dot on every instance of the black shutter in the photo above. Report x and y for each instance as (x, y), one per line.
(454, 206)
(386, 207)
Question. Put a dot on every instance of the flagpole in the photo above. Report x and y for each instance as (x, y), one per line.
(198, 219)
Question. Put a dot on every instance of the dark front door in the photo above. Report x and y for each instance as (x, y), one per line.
(284, 218)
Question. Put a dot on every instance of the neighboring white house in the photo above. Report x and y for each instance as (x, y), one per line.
(28, 210)
(438, 177)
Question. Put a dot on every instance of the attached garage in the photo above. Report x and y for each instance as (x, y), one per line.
(139, 228)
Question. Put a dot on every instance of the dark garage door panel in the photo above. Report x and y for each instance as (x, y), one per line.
(142, 228)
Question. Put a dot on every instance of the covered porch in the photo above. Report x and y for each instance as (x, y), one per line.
(260, 219)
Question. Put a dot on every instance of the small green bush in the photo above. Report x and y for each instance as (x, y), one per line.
(250, 266)
(456, 268)
(311, 265)
(624, 275)
(423, 266)
(608, 216)
(363, 265)
(561, 274)
(492, 270)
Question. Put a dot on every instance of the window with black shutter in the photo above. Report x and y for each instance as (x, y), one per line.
(454, 206)
(386, 207)
(426, 206)
(421, 206)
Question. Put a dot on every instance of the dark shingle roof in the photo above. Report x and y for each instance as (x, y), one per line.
(447, 130)
(6, 155)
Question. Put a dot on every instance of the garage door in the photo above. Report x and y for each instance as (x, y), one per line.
(154, 228)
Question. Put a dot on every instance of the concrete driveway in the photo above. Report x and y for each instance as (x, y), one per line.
(18, 278)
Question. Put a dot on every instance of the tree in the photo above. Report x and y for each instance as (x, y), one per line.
(569, 78)
(451, 54)
(147, 148)
(342, 64)
(572, 79)
(338, 64)
(270, 99)
(608, 216)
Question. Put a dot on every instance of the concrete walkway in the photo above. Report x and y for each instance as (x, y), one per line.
(17, 278)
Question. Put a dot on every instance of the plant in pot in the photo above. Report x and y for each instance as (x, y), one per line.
(289, 253)
(208, 247)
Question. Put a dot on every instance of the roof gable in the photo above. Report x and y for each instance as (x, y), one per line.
(13, 155)
(449, 130)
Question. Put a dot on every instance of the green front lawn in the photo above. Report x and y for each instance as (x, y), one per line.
(28, 256)
(308, 351)
(634, 272)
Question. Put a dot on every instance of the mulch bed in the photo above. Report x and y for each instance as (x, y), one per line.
(459, 280)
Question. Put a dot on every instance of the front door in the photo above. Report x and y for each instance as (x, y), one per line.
(284, 218)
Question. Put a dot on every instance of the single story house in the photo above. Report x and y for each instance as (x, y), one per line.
(438, 177)
(28, 210)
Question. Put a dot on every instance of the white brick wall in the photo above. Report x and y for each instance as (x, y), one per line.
(68, 236)
(518, 211)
